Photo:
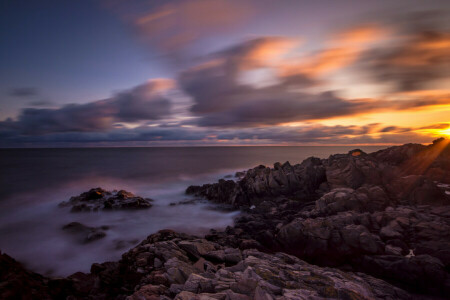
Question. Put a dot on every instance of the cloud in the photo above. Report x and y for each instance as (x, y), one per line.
(417, 56)
(172, 27)
(24, 92)
(436, 126)
(144, 102)
(220, 99)
(175, 135)
(41, 103)
(341, 50)
(389, 129)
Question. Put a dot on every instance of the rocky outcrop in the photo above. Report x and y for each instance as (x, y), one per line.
(300, 181)
(432, 161)
(365, 212)
(168, 265)
(100, 199)
(386, 237)
(18, 283)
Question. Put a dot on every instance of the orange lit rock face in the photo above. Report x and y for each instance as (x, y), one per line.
(356, 153)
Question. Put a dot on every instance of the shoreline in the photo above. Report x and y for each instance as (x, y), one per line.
(346, 214)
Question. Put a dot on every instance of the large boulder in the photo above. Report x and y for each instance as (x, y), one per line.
(367, 198)
(350, 170)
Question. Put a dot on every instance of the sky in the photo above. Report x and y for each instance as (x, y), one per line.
(223, 72)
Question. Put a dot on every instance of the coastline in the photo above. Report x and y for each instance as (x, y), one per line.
(355, 217)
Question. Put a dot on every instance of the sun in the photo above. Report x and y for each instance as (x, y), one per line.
(445, 132)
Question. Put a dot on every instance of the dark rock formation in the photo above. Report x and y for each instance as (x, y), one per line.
(382, 213)
(168, 265)
(85, 234)
(100, 199)
(18, 283)
(300, 181)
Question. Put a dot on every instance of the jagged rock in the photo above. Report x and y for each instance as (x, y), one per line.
(100, 199)
(417, 189)
(197, 248)
(372, 198)
(148, 292)
(418, 272)
(256, 276)
(300, 181)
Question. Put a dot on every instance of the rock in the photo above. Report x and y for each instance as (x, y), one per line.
(389, 232)
(100, 199)
(392, 250)
(348, 170)
(197, 248)
(18, 283)
(418, 272)
(300, 181)
(199, 284)
(417, 190)
(148, 292)
(346, 199)
(85, 234)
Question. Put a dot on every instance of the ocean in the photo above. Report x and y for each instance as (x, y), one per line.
(34, 181)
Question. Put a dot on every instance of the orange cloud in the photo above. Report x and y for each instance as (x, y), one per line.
(424, 50)
(343, 49)
(360, 35)
(264, 52)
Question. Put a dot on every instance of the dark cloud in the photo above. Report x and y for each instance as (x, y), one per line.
(10, 137)
(418, 55)
(144, 102)
(159, 135)
(141, 103)
(389, 129)
(436, 126)
(24, 92)
(274, 105)
(41, 103)
(305, 134)
(221, 100)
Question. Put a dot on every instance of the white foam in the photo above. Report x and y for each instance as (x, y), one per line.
(30, 229)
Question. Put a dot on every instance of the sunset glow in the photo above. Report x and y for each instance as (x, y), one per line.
(445, 132)
(193, 73)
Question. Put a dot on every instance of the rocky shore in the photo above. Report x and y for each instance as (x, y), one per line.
(353, 226)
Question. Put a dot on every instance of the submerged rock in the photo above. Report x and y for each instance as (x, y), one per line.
(85, 234)
(99, 199)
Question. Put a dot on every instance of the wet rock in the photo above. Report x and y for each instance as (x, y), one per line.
(100, 199)
(85, 234)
